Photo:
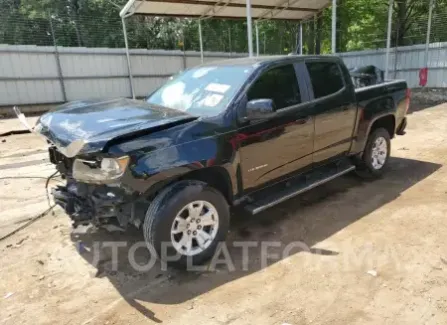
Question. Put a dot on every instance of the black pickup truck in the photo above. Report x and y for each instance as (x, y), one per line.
(252, 132)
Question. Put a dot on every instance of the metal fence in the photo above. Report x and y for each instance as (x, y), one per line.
(38, 75)
(41, 75)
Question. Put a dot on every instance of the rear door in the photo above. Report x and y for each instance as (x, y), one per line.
(277, 147)
(334, 109)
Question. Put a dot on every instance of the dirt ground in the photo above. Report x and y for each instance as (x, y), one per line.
(377, 252)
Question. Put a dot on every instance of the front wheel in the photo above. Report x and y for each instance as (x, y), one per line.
(187, 221)
(376, 155)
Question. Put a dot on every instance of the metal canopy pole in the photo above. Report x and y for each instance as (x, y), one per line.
(301, 38)
(249, 29)
(58, 61)
(263, 34)
(257, 38)
(427, 43)
(201, 40)
(129, 66)
(388, 38)
(229, 39)
(334, 26)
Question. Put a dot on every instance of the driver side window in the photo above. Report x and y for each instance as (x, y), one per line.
(279, 84)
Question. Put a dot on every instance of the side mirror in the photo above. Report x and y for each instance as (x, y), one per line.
(260, 109)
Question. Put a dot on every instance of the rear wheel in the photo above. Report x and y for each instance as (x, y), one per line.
(187, 221)
(376, 155)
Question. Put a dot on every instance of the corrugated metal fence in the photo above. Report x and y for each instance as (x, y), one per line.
(39, 75)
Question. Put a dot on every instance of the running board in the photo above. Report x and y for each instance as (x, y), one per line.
(319, 178)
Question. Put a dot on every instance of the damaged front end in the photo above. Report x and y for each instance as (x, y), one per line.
(92, 194)
(80, 135)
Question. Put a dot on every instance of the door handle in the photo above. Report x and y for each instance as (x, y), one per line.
(303, 120)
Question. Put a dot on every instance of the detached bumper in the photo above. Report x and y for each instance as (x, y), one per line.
(401, 129)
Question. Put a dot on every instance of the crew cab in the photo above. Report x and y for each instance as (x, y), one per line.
(252, 132)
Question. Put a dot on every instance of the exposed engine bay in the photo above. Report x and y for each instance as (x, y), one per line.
(98, 204)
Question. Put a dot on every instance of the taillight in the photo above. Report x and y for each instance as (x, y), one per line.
(408, 100)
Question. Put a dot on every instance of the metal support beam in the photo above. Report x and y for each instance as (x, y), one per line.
(213, 10)
(427, 42)
(263, 34)
(229, 41)
(281, 7)
(257, 38)
(388, 38)
(249, 29)
(216, 4)
(127, 8)
(201, 40)
(58, 61)
(301, 38)
(129, 65)
(334, 26)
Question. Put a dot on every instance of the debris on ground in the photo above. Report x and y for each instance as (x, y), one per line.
(80, 247)
(9, 294)
(21, 241)
(372, 273)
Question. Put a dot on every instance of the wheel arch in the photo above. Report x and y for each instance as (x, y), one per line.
(387, 121)
(216, 177)
(369, 125)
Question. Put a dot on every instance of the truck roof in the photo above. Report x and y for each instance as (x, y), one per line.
(261, 60)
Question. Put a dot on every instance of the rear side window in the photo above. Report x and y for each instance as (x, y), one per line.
(326, 78)
(279, 84)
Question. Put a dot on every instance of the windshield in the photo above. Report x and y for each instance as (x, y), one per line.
(202, 91)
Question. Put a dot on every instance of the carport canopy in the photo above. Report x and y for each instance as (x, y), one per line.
(227, 9)
(294, 10)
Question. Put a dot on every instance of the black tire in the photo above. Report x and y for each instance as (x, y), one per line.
(365, 166)
(163, 210)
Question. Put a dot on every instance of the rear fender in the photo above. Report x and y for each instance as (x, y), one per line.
(369, 113)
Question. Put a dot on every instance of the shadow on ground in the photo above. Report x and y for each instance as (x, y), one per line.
(309, 218)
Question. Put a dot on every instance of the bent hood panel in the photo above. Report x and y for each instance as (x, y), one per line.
(87, 126)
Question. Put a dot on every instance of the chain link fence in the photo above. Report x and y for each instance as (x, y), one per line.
(278, 37)
(361, 25)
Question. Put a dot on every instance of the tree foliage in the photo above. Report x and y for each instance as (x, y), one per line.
(361, 24)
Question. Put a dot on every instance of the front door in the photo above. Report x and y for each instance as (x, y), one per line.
(277, 147)
(334, 110)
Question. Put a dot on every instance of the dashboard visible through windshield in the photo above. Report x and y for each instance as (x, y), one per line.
(203, 91)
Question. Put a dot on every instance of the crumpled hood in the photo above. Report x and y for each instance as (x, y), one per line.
(87, 126)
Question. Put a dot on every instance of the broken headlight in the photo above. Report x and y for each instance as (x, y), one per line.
(106, 170)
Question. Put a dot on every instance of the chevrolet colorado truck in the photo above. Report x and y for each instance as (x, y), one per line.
(252, 132)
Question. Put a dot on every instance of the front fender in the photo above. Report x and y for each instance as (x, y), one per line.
(150, 171)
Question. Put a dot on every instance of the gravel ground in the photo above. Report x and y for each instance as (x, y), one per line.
(371, 252)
